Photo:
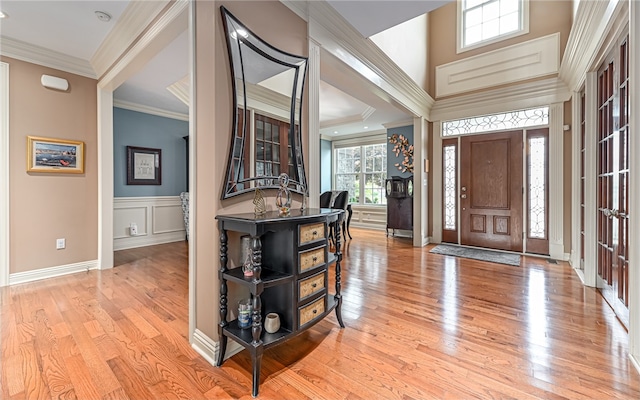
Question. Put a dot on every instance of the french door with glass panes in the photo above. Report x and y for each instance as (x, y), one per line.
(613, 181)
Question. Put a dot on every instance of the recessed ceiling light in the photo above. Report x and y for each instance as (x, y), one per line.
(334, 132)
(103, 16)
(366, 127)
(3, 15)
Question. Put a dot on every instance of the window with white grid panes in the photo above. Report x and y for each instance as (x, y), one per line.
(362, 171)
(488, 21)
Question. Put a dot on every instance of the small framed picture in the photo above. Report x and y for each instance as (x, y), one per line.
(144, 166)
(55, 155)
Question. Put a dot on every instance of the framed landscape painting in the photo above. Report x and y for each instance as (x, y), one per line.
(143, 166)
(55, 155)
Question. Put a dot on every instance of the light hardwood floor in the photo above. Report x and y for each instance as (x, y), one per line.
(418, 326)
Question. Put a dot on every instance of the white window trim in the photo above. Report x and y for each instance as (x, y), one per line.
(355, 142)
(460, 27)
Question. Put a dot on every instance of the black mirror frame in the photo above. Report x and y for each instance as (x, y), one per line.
(298, 183)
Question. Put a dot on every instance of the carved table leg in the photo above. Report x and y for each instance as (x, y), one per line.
(223, 294)
(256, 316)
(256, 360)
(338, 253)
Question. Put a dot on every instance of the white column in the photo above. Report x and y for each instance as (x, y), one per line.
(590, 179)
(4, 174)
(435, 166)
(556, 175)
(634, 189)
(576, 117)
(313, 144)
(420, 183)
(105, 178)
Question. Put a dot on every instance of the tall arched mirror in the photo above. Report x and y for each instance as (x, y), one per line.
(267, 96)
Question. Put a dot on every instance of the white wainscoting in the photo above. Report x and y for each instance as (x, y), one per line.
(371, 217)
(159, 220)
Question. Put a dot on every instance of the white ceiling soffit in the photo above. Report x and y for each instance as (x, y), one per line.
(371, 17)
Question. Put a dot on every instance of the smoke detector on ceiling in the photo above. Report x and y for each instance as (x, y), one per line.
(103, 16)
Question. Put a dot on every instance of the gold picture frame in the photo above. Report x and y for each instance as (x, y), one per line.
(57, 156)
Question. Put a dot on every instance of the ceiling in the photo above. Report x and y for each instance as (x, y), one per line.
(73, 29)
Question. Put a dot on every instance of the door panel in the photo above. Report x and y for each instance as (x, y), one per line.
(613, 181)
(491, 191)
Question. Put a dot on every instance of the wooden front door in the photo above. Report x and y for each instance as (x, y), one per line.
(613, 182)
(491, 191)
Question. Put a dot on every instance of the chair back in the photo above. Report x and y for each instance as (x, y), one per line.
(341, 200)
(325, 199)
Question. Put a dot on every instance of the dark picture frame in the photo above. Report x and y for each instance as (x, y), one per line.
(144, 166)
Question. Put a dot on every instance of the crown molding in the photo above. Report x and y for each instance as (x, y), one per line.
(515, 97)
(335, 35)
(181, 89)
(591, 22)
(134, 21)
(399, 124)
(127, 105)
(42, 56)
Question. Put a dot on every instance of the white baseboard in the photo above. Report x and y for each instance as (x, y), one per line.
(635, 362)
(147, 240)
(52, 272)
(376, 227)
(209, 348)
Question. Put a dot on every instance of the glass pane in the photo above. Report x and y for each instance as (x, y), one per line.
(490, 29)
(473, 17)
(472, 3)
(259, 150)
(450, 188)
(497, 122)
(267, 152)
(275, 135)
(276, 153)
(259, 130)
(509, 6)
(259, 168)
(267, 131)
(537, 188)
(509, 23)
(473, 35)
(490, 11)
(268, 170)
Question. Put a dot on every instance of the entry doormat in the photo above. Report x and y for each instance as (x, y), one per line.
(477, 254)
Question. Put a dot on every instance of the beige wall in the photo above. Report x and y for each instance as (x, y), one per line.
(545, 17)
(44, 207)
(279, 26)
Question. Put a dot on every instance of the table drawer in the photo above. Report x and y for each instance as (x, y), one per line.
(311, 232)
(310, 312)
(310, 286)
(311, 258)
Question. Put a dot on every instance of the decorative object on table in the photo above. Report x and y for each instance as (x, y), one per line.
(144, 166)
(247, 256)
(244, 313)
(401, 145)
(305, 198)
(272, 323)
(55, 155)
(259, 206)
(283, 198)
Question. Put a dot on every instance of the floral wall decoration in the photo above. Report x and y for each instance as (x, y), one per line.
(402, 146)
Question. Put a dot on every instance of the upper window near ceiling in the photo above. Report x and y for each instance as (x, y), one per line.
(481, 22)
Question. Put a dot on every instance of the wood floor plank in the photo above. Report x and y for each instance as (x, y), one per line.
(418, 326)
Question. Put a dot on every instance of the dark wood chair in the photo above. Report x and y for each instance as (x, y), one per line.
(338, 199)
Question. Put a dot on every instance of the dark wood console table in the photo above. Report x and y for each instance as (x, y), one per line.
(291, 260)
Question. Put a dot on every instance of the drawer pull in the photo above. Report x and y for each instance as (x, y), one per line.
(314, 258)
(314, 233)
(314, 285)
(315, 311)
